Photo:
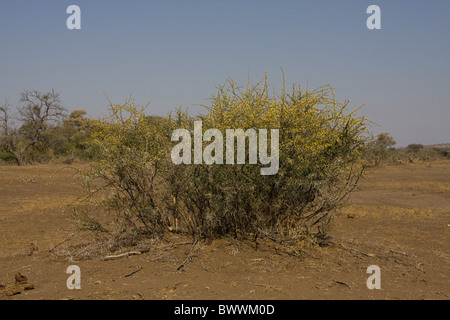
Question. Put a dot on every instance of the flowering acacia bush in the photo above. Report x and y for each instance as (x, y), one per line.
(321, 148)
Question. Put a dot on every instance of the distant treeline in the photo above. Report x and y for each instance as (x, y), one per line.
(382, 151)
(40, 130)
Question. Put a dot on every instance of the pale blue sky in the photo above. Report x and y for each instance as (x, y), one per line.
(174, 53)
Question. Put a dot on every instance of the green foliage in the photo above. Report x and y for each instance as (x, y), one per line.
(7, 157)
(381, 149)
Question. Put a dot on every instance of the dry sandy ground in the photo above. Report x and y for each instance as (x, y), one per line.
(398, 219)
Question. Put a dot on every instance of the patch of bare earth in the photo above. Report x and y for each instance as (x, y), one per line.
(397, 219)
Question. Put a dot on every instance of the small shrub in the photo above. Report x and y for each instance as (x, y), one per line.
(415, 147)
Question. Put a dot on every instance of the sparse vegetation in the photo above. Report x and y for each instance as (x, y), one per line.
(135, 196)
(323, 152)
(382, 151)
(45, 132)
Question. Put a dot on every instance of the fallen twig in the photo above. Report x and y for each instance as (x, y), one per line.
(188, 256)
(391, 258)
(126, 254)
(173, 245)
(139, 268)
(298, 253)
(342, 283)
(140, 295)
(62, 242)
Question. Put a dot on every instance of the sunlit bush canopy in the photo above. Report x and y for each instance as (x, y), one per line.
(321, 157)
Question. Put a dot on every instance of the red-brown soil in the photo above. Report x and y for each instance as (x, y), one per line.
(397, 219)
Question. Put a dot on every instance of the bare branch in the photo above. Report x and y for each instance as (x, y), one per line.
(39, 112)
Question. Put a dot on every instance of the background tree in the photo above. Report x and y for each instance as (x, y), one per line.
(71, 139)
(39, 113)
(8, 135)
(381, 148)
(385, 141)
(4, 119)
(414, 147)
(4, 125)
